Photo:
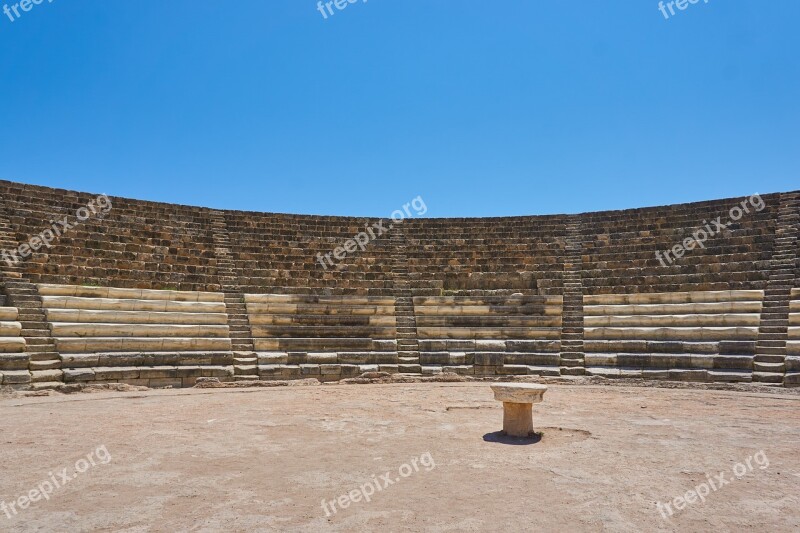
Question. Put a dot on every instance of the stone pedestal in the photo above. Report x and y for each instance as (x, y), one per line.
(518, 400)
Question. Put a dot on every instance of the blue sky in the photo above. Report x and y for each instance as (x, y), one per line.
(482, 108)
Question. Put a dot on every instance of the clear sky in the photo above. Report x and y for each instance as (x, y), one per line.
(483, 108)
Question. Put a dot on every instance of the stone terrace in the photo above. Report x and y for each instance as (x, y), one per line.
(488, 297)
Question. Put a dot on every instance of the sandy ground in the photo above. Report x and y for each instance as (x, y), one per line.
(264, 459)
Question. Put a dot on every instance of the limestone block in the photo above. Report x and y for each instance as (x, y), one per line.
(688, 375)
(733, 362)
(458, 359)
(113, 373)
(533, 346)
(390, 368)
(434, 358)
(792, 380)
(350, 371)
(600, 359)
(793, 363)
(354, 358)
(430, 345)
(321, 358)
(290, 371)
(8, 313)
(489, 358)
(120, 359)
(12, 344)
(159, 372)
(188, 371)
(269, 371)
(481, 370)
(384, 358)
(79, 360)
(14, 361)
(730, 376)
(16, 377)
(72, 375)
(272, 358)
(164, 383)
(462, 370)
(430, 370)
(10, 328)
(330, 370)
(655, 374)
(513, 370)
(296, 358)
(490, 346)
(793, 347)
(409, 369)
(310, 370)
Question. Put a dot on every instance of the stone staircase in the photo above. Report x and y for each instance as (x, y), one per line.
(407, 343)
(44, 360)
(572, 353)
(245, 358)
(769, 363)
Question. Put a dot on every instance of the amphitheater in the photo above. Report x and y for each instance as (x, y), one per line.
(159, 295)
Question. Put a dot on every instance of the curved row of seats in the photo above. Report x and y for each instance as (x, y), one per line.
(13, 359)
(159, 337)
(685, 336)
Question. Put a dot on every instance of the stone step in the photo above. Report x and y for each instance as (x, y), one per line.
(44, 356)
(768, 377)
(47, 364)
(764, 358)
(759, 366)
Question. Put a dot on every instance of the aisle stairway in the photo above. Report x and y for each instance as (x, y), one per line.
(246, 361)
(407, 343)
(770, 363)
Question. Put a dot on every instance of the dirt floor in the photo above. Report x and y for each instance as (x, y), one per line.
(265, 459)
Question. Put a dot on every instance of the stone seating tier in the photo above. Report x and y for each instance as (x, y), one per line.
(13, 359)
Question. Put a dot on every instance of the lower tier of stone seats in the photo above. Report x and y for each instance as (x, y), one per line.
(285, 365)
(66, 345)
(152, 369)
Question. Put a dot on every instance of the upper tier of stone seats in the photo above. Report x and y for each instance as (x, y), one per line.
(521, 254)
(150, 245)
(136, 244)
(280, 254)
(619, 248)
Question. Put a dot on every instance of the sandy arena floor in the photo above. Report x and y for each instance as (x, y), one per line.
(264, 459)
